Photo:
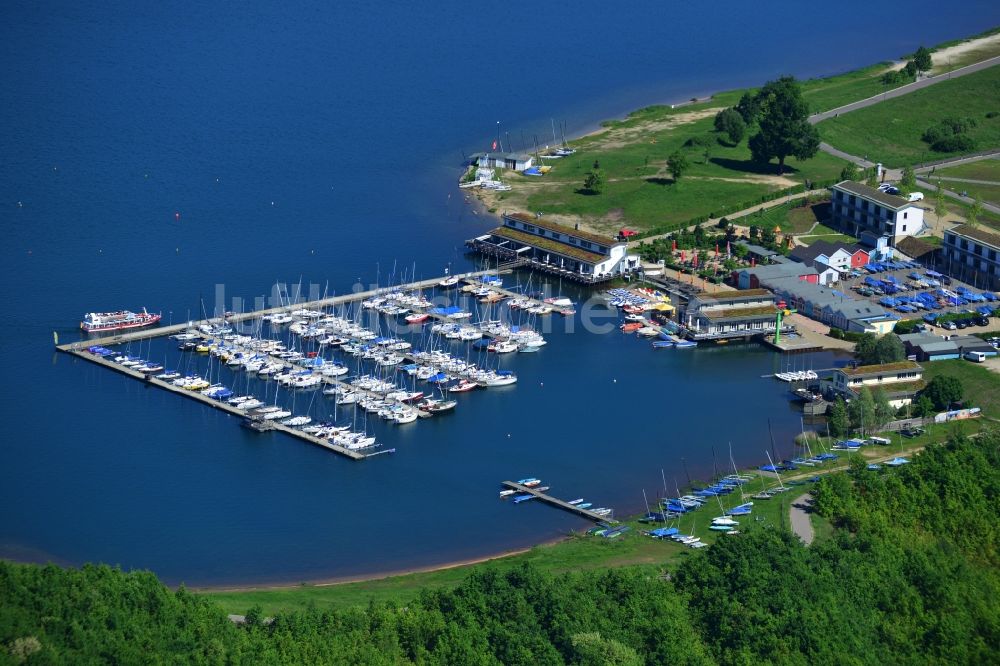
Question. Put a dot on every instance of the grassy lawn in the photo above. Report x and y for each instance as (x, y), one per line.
(988, 193)
(890, 132)
(982, 386)
(796, 217)
(835, 91)
(988, 169)
(639, 192)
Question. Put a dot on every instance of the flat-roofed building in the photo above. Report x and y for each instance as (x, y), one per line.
(495, 160)
(730, 314)
(556, 248)
(901, 380)
(857, 208)
(972, 254)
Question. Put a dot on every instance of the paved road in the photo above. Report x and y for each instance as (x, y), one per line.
(904, 90)
(860, 161)
(987, 155)
(955, 195)
(966, 180)
(799, 516)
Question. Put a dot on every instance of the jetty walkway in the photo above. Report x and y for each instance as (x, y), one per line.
(556, 502)
(79, 350)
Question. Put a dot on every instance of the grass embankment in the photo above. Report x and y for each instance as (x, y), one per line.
(803, 219)
(639, 192)
(987, 170)
(890, 132)
(982, 387)
(971, 50)
(835, 91)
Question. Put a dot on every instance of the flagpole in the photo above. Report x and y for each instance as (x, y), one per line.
(499, 142)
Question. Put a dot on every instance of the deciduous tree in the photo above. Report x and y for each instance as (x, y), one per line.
(850, 172)
(677, 164)
(942, 391)
(731, 123)
(922, 59)
(784, 124)
(839, 422)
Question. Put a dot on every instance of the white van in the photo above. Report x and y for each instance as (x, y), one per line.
(881, 441)
(975, 357)
(915, 196)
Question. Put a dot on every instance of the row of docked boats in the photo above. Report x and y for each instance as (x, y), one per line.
(796, 375)
(254, 408)
(535, 484)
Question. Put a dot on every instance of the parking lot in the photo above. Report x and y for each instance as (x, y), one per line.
(914, 292)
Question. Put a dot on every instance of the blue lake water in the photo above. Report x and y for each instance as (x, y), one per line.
(149, 154)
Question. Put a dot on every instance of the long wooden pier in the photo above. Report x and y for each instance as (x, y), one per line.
(218, 404)
(234, 318)
(556, 502)
(79, 350)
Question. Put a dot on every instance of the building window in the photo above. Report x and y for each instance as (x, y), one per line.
(584, 243)
(555, 235)
(904, 227)
(905, 215)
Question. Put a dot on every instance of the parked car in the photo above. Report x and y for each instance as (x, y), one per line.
(950, 325)
(912, 432)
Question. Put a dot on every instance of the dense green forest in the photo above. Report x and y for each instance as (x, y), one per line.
(909, 576)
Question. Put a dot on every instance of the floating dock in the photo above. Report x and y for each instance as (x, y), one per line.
(556, 502)
(79, 350)
(224, 406)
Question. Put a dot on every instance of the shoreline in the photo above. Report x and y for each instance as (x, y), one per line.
(368, 578)
(488, 203)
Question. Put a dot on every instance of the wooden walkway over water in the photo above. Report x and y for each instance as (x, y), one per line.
(222, 405)
(160, 331)
(556, 502)
(79, 350)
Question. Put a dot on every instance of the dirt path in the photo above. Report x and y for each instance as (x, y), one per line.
(799, 516)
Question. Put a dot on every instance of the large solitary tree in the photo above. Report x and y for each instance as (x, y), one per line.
(784, 124)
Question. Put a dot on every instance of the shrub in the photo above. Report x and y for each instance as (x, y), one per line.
(956, 143)
(699, 142)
